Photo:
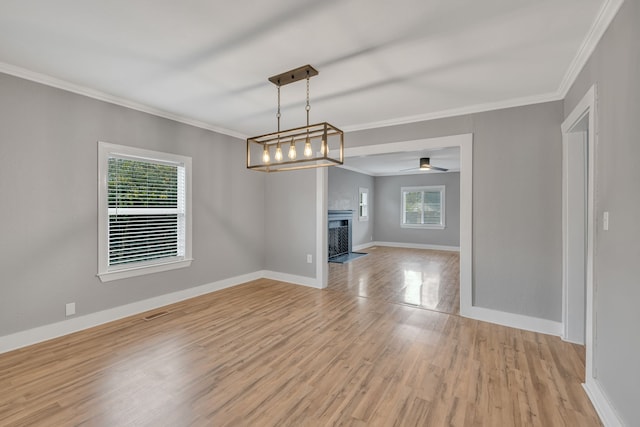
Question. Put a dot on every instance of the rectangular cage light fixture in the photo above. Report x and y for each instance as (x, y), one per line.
(305, 147)
(310, 146)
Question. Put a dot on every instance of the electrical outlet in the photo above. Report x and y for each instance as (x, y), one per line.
(70, 309)
(309, 258)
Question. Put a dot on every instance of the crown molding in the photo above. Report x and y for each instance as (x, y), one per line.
(603, 20)
(606, 14)
(47, 80)
(356, 170)
(473, 109)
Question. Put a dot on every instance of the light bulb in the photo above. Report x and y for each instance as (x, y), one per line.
(292, 151)
(323, 143)
(307, 148)
(266, 158)
(278, 155)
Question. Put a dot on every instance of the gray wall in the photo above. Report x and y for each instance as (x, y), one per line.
(290, 214)
(49, 219)
(344, 186)
(388, 205)
(517, 177)
(615, 67)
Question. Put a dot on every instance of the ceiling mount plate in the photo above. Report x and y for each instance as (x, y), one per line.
(293, 75)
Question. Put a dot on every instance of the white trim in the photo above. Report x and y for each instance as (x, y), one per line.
(357, 248)
(512, 320)
(587, 105)
(140, 270)
(108, 273)
(322, 265)
(602, 22)
(75, 324)
(466, 226)
(291, 278)
(417, 246)
(603, 407)
(597, 30)
(352, 169)
(472, 109)
(44, 79)
(412, 145)
(465, 142)
(606, 14)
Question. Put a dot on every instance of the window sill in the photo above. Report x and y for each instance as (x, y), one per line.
(424, 226)
(108, 276)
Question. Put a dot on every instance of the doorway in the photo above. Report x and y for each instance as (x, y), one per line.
(578, 225)
(464, 142)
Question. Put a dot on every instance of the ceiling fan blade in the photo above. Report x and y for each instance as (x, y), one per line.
(410, 169)
(439, 169)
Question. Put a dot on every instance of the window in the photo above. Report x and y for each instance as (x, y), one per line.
(363, 204)
(144, 211)
(423, 207)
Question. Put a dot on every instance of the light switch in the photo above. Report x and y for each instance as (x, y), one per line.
(605, 221)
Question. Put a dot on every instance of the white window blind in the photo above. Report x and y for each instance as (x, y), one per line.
(144, 211)
(423, 207)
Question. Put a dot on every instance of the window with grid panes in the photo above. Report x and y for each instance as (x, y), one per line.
(144, 211)
(423, 207)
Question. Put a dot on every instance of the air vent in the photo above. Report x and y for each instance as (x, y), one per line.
(155, 315)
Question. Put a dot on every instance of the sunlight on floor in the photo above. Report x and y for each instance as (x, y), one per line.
(421, 278)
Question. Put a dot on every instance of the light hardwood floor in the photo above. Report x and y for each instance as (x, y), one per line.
(417, 277)
(269, 353)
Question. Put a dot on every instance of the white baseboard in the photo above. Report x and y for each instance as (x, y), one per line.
(512, 320)
(417, 246)
(565, 339)
(75, 324)
(357, 248)
(602, 405)
(312, 282)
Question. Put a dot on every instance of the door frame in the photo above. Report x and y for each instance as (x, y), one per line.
(585, 108)
(465, 143)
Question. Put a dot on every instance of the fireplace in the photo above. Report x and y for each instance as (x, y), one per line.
(339, 233)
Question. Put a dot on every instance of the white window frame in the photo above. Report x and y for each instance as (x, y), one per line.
(108, 273)
(361, 204)
(432, 189)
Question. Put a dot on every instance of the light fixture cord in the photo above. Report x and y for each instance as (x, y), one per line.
(308, 107)
(278, 115)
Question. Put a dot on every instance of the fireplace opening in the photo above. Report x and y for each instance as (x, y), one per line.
(340, 237)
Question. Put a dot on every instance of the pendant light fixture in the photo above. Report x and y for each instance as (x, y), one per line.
(322, 144)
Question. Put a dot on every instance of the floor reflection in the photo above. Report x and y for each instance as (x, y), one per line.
(416, 277)
(413, 287)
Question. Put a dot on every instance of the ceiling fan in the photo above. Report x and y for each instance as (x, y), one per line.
(425, 165)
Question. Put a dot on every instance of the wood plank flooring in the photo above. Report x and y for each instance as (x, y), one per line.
(268, 353)
(417, 277)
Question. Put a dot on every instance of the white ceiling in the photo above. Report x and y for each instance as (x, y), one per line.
(405, 163)
(380, 61)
